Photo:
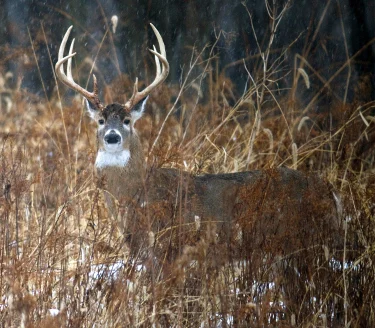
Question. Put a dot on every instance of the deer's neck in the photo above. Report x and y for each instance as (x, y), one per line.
(106, 159)
(122, 173)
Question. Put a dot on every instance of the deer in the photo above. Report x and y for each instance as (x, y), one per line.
(282, 207)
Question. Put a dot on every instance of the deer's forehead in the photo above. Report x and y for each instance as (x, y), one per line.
(115, 111)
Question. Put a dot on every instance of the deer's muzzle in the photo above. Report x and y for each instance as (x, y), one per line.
(112, 138)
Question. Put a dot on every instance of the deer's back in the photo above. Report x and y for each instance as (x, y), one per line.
(281, 205)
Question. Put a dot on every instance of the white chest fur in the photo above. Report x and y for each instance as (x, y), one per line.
(117, 159)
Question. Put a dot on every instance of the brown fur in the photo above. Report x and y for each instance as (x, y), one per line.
(280, 206)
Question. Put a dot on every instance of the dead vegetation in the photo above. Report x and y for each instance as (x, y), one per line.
(64, 262)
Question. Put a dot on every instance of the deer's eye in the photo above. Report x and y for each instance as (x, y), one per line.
(101, 121)
(127, 121)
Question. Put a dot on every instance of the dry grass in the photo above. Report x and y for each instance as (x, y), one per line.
(61, 252)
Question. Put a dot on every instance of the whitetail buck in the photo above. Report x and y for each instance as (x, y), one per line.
(279, 208)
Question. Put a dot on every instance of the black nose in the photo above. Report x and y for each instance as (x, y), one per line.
(112, 138)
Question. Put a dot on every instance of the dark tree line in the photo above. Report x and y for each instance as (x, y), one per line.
(185, 24)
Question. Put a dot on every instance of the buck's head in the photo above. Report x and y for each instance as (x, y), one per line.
(117, 138)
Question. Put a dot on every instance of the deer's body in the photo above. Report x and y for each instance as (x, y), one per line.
(283, 205)
(278, 204)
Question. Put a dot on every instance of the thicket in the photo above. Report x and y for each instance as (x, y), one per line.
(64, 262)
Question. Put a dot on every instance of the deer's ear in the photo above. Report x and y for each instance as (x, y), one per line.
(91, 109)
(138, 110)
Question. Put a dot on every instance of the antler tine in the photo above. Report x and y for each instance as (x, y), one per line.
(162, 72)
(160, 41)
(69, 66)
(67, 79)
(157, 61)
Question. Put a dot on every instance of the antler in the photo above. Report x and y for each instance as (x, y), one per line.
(67, 79)
(161, 73)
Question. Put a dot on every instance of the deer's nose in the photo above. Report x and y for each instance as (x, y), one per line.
(112, 137)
